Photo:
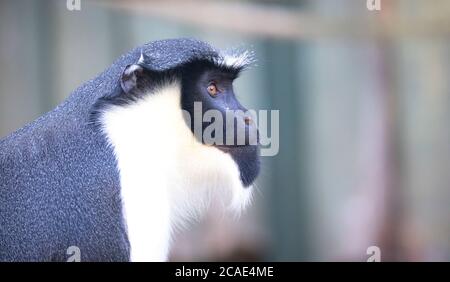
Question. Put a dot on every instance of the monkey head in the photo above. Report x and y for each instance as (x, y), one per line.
(193, 122)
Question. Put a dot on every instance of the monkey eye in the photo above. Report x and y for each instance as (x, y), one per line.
(212, 89)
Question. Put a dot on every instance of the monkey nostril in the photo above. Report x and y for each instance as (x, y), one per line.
(247, 120)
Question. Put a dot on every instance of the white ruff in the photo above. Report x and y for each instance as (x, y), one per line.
(166, 175)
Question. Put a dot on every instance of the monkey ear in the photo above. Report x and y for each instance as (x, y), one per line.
(132, 73)
(130, 77)
(143, 59)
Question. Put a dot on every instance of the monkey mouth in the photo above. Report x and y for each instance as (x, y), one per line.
(247, 158)
(232, 147)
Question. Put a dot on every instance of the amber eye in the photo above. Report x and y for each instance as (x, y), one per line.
(212, 89)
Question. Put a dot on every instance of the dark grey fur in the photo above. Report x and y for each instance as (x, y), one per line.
(59, 185)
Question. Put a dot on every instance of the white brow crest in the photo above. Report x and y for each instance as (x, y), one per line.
(237, 58)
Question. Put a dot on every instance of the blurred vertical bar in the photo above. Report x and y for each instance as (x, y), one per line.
(46, 49)
(25, 62)
(288, 190)
(424, 110)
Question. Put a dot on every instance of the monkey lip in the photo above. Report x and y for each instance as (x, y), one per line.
(234, 147)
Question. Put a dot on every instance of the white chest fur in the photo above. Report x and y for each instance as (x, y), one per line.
(166, 175)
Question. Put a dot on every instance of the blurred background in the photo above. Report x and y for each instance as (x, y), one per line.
(364, 100)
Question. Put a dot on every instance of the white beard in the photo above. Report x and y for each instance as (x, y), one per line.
(167, 177)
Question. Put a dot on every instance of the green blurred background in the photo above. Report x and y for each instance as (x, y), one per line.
(364, 100)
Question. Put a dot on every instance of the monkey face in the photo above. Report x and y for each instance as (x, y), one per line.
(209, 99)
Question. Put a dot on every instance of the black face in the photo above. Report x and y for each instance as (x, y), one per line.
(213, 88)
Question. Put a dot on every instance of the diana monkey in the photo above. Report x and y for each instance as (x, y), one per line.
(117, 167)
